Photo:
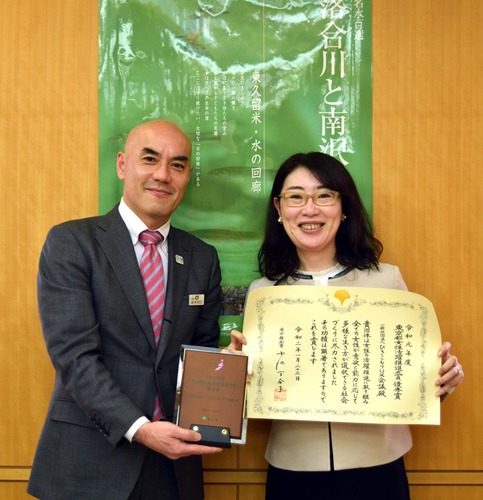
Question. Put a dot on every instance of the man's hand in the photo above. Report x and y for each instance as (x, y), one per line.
(171, 441)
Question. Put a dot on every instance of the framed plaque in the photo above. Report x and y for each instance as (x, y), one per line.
(211, 395)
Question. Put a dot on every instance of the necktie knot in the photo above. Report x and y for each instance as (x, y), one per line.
(149, 237)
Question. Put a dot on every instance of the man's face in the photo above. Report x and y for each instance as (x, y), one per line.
(155, 167)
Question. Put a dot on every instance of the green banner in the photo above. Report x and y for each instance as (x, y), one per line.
(251, 82)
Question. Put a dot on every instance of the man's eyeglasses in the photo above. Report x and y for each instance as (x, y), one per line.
(322, 198)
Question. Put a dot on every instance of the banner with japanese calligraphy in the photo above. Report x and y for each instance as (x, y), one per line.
(251, 82)
(363, 355)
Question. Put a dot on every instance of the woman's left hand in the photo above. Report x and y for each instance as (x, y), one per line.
(451, 372)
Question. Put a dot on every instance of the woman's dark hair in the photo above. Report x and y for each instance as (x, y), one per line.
(356, 246)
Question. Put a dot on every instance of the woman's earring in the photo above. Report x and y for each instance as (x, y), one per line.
(280, 220)
(344, 217)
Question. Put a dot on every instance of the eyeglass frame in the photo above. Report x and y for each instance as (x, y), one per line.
(285, 195)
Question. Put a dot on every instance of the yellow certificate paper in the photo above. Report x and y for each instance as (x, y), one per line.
(365, 355)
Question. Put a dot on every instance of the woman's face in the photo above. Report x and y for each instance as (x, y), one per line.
(311, 228)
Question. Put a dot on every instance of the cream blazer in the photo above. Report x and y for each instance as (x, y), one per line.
(305, 446)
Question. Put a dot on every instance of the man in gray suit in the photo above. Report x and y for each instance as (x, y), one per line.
(99, 440)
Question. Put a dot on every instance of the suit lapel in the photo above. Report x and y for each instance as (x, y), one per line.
(114, 239)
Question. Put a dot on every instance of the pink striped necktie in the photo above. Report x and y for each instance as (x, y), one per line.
(152, 274)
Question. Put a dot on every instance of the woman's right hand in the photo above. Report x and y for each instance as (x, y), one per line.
(238, 340)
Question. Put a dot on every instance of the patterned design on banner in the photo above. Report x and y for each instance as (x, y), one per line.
(251, 82)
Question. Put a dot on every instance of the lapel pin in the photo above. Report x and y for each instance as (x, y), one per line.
(179, 259)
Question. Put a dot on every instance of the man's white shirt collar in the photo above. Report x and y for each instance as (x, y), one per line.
(136, 226)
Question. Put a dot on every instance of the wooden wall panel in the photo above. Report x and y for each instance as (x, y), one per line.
(216, 492)
(251, 492)
(14, 491)
(428, 129)
(427, 210)
(446, 493)
(48, 144)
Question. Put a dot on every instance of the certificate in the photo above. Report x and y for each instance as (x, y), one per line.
(211, 395)
(350, 354)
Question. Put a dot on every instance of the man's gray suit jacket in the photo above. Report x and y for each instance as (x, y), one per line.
(97, 328)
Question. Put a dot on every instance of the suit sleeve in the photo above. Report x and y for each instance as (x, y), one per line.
(72, 335)
(399, 280)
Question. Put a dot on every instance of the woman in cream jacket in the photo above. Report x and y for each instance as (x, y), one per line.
(318, 233)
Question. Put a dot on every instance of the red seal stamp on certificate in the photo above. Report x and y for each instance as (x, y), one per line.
(280, 394)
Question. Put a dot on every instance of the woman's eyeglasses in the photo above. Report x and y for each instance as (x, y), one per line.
(322, 198)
